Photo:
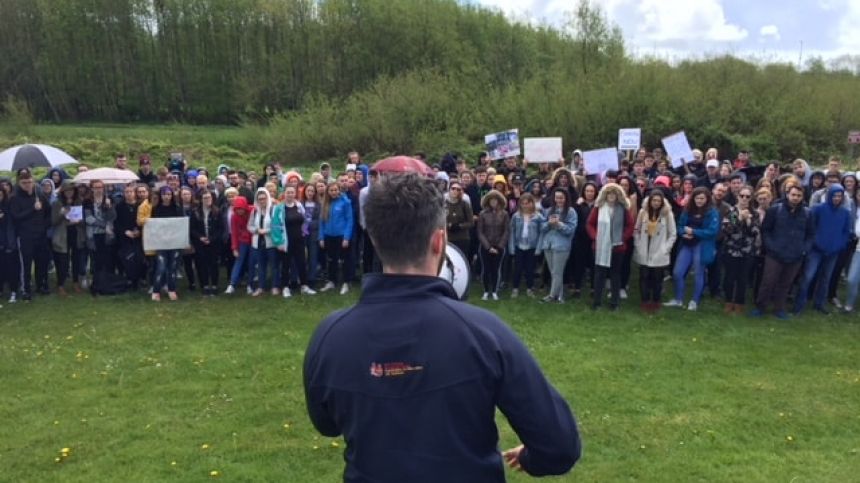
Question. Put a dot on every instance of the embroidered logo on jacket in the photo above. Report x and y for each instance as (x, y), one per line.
(391, 369)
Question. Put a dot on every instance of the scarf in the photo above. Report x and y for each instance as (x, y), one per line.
(610, 229)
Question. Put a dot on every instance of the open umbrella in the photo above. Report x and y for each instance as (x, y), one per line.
(106, 175)
(33, 156)
(402, 164)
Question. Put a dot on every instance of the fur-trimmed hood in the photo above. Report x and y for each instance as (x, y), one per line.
(560, 171)
(485, 201)
(612, 188)
(666, 210)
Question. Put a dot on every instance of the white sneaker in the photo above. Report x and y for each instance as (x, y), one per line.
(530, 293)
(249, 290)
(495, 296)
(85, 284)
(305, 290)
(230, 290)
(836, 303)
(286, 293)
(673, 303)
(486, 296)
(692, 306)
(515, 293)
(344, 289)
(623, 294)
(328, 286)
(13, 297)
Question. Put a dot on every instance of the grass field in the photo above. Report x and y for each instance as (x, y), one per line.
(138, 391)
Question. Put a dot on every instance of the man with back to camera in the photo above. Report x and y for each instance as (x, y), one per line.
(411, 376)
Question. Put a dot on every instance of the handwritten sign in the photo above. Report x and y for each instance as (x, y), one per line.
(629, 139)
(503, 144)
(600, 160)
(76, 213)
(678, 149)
(854, 137)
(542, 150)
(166, 234)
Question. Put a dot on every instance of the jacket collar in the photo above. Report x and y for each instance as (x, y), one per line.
(380, 286)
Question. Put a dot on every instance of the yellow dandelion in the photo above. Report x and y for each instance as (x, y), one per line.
(286, 425)
(316, 447)
(789, 438)
(58, 459)
(172, 463)
(214, 473)
(335, 444)
(65, 451)
(204, 446)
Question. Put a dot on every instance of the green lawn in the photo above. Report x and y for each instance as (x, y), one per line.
(139, 391)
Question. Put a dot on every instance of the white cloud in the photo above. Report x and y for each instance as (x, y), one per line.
(849, 33)
(684, 20)
(769, 32)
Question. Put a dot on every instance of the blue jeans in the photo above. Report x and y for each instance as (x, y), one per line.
(690, 256)
(818, 266)
(165, 270)
(853, 281)
(240, 263)
(263, 258)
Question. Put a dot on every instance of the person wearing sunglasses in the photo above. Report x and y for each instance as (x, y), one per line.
(741, 230)
(459, 217)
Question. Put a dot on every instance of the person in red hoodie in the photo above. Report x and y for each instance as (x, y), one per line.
(240, 241)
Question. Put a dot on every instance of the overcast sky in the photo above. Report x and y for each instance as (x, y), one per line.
(768, 30)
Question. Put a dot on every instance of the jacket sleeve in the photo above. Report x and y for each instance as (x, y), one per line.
(251, 226)
(536, 411)
(568, 225)
(672, 232)
(507, 233)
(637, 228)
(709, 228)
(143, 213)
(349, 219)
(767, 226)
(469, 221)
(317, 406)
(235, 227)
(195, 228)
(481, 236)
(591, 224)
(514, 231)
(57, 218)
(810, 231)
(628, 227)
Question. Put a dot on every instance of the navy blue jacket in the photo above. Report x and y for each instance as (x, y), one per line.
(788, 234)
(412, 377)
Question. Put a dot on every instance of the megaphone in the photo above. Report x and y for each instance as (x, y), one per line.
(455, 270)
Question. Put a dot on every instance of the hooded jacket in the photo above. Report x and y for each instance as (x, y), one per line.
(239, 234)
(706, 235)
(654, 250)
(279, 234)
(572, 192)
(412, 377)
(518, 222)
(833, 224)
(493, 225)
(340, 221)
(558, 237)
(599, 203)
(261, 219)
(30, 223)
(788, 234)
(7, 229)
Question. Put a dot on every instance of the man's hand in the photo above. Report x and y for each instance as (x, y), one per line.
(37, 205)
(345, 244)
(512, 457)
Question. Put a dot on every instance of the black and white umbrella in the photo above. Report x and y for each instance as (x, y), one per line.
(33, 156)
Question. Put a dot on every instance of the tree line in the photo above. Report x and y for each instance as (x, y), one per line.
(312, 79)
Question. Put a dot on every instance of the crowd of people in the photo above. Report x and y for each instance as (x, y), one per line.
(769, 231)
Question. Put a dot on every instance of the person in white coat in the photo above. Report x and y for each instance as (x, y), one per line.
(264, 252)
(653, 237)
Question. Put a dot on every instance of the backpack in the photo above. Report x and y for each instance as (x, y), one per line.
(108, 283)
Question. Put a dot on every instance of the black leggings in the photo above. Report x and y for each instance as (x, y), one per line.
(651, 283)
(61, 265)
(335, 252)
(737, 271)
(491, 267)
(294, 257)
(583, 257)
(188, 264)
(206, 259)
(614, 274)
(9, 269)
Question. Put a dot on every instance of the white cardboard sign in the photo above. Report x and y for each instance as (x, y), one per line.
(629, 139)
(542, 150)
(166, 234)
(678, 149)
(600, 160)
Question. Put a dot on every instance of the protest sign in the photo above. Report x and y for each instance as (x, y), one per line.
(165, 234)
(503, 144)
(629, 139)
(542, 150)
(600, 160)
(76, 213)
(678, 149)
